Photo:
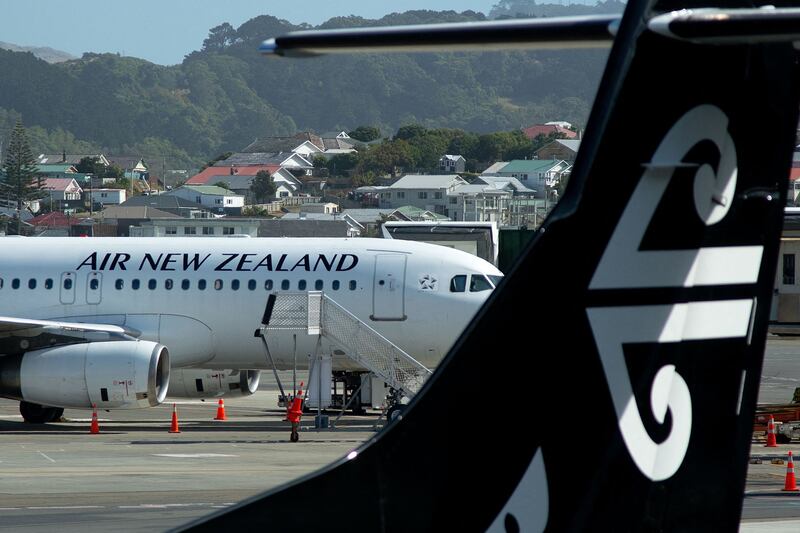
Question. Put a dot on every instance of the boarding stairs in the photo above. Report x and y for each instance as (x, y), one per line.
(318, 314)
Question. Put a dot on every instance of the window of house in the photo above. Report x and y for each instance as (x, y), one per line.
(227, 231)
(190, 230)
(458, 283)
(453, 200)
(401, 194)
(171, 230)
(285, 285)
(422, 195)
(207, 230)
(788, 269)
(218, 201)
(437, 195)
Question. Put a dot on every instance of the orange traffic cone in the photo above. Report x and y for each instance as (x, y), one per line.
(95, 429)
(220, 411)
(771, 442)
(790, 485)
(174, 428)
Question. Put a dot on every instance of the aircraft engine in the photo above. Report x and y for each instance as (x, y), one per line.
(112, 375)
(204, 383)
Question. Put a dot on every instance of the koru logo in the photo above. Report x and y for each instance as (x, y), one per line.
(625, 266)
(428, 282)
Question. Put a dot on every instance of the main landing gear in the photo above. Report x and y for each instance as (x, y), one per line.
(33, 413)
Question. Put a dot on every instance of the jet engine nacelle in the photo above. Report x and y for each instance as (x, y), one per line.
(112, 375)
(204, 383)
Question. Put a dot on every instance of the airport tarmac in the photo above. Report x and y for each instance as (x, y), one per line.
(136, 476)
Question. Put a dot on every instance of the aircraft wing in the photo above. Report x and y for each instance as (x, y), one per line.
(12, 326)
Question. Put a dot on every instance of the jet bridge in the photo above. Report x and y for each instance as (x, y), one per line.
(318, 314)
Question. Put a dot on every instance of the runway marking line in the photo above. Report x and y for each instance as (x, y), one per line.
(47, 457)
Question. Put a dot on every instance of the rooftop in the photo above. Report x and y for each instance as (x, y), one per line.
(530, 165)
(427, 181)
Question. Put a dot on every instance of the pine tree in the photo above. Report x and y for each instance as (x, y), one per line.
(20, 184)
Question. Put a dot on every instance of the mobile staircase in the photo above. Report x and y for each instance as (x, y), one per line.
(318, 314)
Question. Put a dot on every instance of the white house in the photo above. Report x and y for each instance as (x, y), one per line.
(427, 192)
(106, 197)
(62, 189)
(452, 163)
(211, 196)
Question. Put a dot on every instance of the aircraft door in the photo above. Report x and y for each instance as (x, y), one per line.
(67, 288)
(94, 288)
(388, 292)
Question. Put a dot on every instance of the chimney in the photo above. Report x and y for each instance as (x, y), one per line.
(63, 156)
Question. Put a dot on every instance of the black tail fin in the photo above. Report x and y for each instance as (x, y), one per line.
(633, 390)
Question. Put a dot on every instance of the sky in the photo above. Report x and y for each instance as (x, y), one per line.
(164, 31)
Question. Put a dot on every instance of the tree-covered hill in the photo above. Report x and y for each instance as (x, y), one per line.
(225, 94)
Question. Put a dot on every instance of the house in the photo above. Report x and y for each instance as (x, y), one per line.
(215, 198)
(133, 167)
(71, 159)
(479, 202)
(327, 208)
(537, 174)
(124, 217)
(305, 144)
(184, 227)
(566, 149)
(452, 163)
(55, 170)
(63, 193)
(531, 132)
(240, 178)
(426, 192)
(170, 204)
(513, 185)
(354, 228)
(307, 227)
(106, 197)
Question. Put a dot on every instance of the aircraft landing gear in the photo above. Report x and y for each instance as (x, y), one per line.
(34, 413)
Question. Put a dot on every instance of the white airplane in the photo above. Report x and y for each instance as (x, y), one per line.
(111, 321)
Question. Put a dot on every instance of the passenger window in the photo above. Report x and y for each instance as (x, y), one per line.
(119, 284)
(318, 285)
(301, 285)
(185, 284)
(15, 283)
(1, 283)
(218, 284)
(458, 283)
(201, 285)
(67, 284)
(94, 284)
(235, 284)
(168, 284)
(478, 283)
(251, 284)
(285, 284)
(335, 285)
(32, 283)
(152, 284)
(352, 284)
(48, 283)
(135, 284)
(268, 285)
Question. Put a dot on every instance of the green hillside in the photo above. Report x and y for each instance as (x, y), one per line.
(225, 95)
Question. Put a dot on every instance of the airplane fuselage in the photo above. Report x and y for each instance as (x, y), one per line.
(204, 297)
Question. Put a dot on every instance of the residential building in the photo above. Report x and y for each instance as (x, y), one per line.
(62, 194)
(536, 174)
(452, 163)
(170, 204)
(327, 208)
(240, 178)
(479, 203)
(210, 227)
(133, 167)
(566, 149)
(125, 217)
(428, 192)
(71, 159)
(215, 198)
(106, 197)
(289, 227)
(354, 228)
(304, 143)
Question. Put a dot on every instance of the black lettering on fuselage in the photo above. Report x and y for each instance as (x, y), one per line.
(280, 264)
(167, 260)
(105, 261)
(90, 261)
(148, 258)
(354, 261)
(304, 262)
(221, 267)
(194, 262)
(119, 261)
(266, 262)
(242, 262)
(328, 265)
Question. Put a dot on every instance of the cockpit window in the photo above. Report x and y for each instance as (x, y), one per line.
(478, 283)
(458, 283)
(495, 280)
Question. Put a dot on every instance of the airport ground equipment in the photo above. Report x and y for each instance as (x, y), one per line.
(318, 314)
(790, 484)
(95, 427)
(220, 410)
(173, 428)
